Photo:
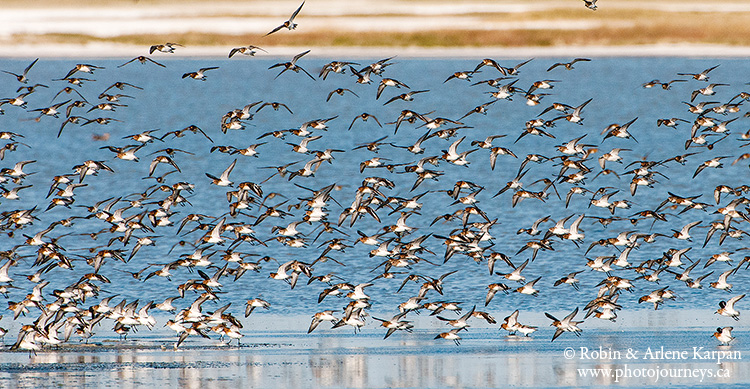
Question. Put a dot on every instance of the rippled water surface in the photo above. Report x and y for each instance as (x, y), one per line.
(168, 102)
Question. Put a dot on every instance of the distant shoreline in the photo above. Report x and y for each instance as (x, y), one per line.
(102, 50)
(418, 29)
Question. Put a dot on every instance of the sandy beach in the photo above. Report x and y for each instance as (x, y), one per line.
(104, 50)
(366, 28)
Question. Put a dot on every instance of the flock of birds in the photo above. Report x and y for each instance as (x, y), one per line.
(220, 248)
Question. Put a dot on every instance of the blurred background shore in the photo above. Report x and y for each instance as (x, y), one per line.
(363, 27)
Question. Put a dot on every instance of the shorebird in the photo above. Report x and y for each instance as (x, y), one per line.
(302, 146)
(223, 180)
(168, 47)
(409, 96)
(668, 85)
(619, 131)
(12, 194)
(707, 91)
(17, 170)
(514, 70)
(670, 122)
(480, 109)
(121, 86)
(256, 303)
(528, 288)
(142, 59)
(364, 116)
(702, 76)
(388, 82)
(292, 65)
(590, 4)
(288, 24)
(340, 92)
(515, 275)
(198, 75)
(461, 322)
(511, 324)
(395, 323)
(336, 67)
(308, 170)
(451, 335)
(722, 283)
(377, 67)
(724, 335)
(570, 279)
(249, 50)
(575, 117)
(712, 163)
(4, 271)
(22, 77)
(726, 308)
(17, 101)
(52, 110)
(542, 84)
(505, 92)
(362, 77)
(464, 75)
(492, 63)
(85, 68)
(565, 325)
(568, 65)
(321, 317)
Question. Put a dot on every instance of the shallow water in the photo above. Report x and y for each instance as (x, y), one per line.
(485, 358)
(168, 103)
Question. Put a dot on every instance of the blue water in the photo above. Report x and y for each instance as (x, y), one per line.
(168, 102)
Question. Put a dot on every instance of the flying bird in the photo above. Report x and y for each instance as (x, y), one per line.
(292, 65)
(246, 50)
(224, 179)
(142, 59)
(289, 24)
(168, 47)
(22, 77)
(568, 65)
(199, 74)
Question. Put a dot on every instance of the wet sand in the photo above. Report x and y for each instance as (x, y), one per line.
(637, 349)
